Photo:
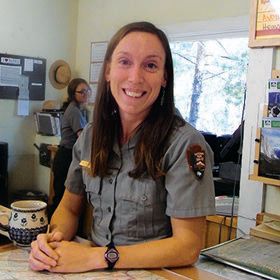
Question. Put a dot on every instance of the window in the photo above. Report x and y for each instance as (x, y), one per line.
(210, 81)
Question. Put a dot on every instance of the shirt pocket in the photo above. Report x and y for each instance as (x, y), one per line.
(93, 187)
(142, 209)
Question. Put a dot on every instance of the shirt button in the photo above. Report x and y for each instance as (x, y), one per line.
(109, 209)
(144, 197)
(110, 180)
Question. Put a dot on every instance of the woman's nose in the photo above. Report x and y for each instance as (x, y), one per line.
(136, 74)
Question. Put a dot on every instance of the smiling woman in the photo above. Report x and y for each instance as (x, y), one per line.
(136, 75)
(146, 172)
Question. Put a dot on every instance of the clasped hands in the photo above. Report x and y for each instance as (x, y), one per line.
(50, 252)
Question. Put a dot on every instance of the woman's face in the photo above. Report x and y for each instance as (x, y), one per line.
(136, 73)
(82, 92)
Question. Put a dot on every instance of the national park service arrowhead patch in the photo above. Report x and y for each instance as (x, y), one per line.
(196, 160)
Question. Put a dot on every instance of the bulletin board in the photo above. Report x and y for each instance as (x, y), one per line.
(22, 77)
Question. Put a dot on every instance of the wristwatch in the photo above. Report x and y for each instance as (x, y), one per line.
(111, 255)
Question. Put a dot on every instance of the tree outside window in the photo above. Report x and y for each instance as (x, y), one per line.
(210, 82)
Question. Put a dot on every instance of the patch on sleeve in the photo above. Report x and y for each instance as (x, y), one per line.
(196, 160)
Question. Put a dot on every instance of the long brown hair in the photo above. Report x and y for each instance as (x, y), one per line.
(155, 129)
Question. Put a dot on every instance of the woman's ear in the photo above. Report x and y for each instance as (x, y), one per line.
(164, 80)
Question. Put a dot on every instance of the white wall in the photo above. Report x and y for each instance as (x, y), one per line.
(38, 28)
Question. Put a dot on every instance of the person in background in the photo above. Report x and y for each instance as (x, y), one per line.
(74, 120)
(147, 173)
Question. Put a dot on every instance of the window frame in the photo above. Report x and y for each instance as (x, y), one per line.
(209, 29)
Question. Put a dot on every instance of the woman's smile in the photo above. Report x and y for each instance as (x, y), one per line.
(134, 93)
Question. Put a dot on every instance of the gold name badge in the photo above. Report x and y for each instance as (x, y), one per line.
(84, 163)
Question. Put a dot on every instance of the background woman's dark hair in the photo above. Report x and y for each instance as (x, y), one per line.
(71, 89)
(156, 128)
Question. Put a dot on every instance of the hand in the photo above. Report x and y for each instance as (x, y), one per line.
(75, 257)
(42, 255)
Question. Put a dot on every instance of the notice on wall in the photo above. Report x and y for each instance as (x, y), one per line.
(268, 19)
(97, 54)
(10, 75)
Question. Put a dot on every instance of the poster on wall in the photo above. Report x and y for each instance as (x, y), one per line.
(264, 23)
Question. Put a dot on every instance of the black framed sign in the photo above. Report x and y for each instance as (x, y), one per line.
(22, 77)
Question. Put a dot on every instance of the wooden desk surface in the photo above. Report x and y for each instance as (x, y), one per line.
(192, 272)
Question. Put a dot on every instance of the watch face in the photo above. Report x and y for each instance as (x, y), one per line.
(112, 255)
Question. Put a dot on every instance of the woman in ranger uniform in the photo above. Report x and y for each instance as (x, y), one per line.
(147, 173)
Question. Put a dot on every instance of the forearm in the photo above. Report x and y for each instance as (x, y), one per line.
(181, 249)
(66, 217)
(168, 252)
(65, 222)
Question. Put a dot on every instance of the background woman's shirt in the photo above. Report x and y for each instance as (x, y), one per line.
(73, 120)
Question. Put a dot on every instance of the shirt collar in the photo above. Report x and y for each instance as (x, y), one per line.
(129, 145)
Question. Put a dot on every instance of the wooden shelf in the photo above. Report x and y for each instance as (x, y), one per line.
(265, 180)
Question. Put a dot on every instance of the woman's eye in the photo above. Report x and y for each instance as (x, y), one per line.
(124, 62)
(151, 66)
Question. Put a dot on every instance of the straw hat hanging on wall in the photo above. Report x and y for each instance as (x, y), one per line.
(60, 74)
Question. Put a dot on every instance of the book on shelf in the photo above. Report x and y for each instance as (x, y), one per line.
(274, 85)
(269, 159)
(273, 98)
(268, 122)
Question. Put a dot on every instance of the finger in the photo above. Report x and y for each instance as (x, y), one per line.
(54, 245)
(40, 254)
(44, 247)
(36, 265)
(56, 236)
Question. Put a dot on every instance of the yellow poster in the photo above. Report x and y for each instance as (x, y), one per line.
(268, 19)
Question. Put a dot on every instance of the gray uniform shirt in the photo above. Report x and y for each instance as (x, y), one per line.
(128, 210)
(73, 120)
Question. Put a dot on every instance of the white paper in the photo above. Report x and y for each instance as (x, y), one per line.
(95, 69)
(23, 87)
(10, 75)
(23, 107)
(98, 50)
(92, 97)
(28, 65)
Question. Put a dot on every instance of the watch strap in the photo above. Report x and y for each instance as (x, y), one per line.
(111, 255)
